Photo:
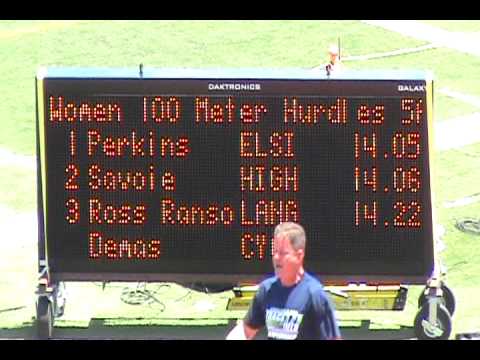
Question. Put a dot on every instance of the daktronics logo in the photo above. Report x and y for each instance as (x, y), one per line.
(235, 86)
(411, 88)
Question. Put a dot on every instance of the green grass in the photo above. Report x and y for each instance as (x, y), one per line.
(18, 188)
(455, 25)
(456, 174)
(223, 44)
(462, 251)
(447, 108)
(439, 61)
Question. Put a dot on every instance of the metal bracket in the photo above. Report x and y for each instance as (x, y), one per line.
(432, 310)
(328, 70)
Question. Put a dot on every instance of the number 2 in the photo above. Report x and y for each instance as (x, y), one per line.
(413, 208)
(71, 183)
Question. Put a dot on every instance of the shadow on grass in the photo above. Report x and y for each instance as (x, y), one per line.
(98, 330)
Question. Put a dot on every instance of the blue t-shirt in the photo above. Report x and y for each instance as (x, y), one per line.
(302, 311)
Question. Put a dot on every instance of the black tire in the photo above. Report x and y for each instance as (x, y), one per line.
(448, 299)
(44, 318)
(422, 299)
(444, 323)
(60, 310)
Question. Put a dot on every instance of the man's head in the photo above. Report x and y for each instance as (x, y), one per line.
(289, 251)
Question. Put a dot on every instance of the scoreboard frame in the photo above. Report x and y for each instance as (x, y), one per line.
(221, 81)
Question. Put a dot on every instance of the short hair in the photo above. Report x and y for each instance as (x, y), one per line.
(333, 49)
(294, 232)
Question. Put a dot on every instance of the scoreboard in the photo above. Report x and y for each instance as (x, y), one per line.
(182, 175)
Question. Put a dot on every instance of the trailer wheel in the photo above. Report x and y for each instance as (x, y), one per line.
(60, 309)
(44, 318)
(425, 331)
(60, 300)
(448, 299)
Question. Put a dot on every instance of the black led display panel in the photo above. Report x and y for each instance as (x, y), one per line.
(184, 178)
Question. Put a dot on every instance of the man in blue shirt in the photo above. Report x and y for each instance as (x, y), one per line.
(292, 304)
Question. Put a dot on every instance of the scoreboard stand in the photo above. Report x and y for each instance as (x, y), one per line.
(436, 307)
(50, 304)
(432, 322)
(180, 175)
(436, 303)
(51, 296)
